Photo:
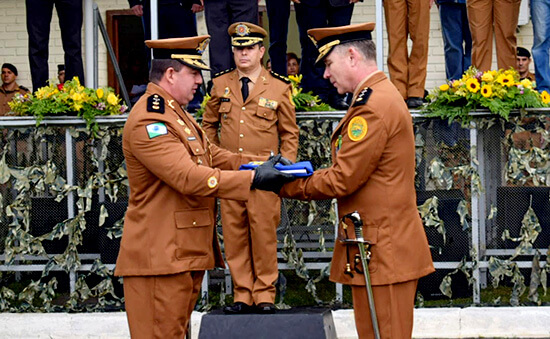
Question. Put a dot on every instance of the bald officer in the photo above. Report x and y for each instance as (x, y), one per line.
(253, 111)
(372, 173)
(169, 237)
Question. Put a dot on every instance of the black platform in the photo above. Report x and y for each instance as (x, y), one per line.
(296, 323)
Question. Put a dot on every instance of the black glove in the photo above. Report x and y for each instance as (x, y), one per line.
(282, 160)
(268, 178)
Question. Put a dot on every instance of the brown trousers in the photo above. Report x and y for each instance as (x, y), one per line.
(250, 244)
(161, 306)
(498, 18)
(394, 310)
(408, 18)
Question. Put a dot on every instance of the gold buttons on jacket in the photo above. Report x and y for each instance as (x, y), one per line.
(199, 162)
(194, 223)
(241, 135)
(240, 149)
(244, 108)
(242, 121)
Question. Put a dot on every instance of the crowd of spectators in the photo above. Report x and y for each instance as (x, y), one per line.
(468, 30)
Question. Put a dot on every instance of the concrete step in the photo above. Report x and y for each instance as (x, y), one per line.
(469, 322)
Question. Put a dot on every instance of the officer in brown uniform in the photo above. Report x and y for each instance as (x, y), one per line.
(169, 237)
(254, 113)
(9, 87)
(372, 173)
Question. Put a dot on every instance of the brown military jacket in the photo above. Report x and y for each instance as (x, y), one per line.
(373, 173)
(256, 125)
(7, 96)
(169, 224)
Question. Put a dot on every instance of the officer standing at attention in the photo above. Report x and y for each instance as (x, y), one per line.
(169, 235)
(254, 113)
(372, 172)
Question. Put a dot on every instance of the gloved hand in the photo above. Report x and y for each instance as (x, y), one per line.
(283, 160)
(267, 178)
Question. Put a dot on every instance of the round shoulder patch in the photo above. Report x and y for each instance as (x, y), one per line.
(357, 128)
(212, 182)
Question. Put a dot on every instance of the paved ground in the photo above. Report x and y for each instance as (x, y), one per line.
(470, 322)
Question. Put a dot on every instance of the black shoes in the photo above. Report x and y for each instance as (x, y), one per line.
(242, 308)
(414, 102)
(239, 308)
(265, 308)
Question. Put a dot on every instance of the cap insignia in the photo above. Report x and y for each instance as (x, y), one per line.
(242, 30)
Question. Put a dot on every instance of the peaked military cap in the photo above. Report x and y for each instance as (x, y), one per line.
(326, 38)
(246, 34)
(186, 50)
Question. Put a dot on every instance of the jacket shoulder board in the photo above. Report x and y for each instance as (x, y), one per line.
(155, 104)
(280, 77)
(363, 97)
(222, 72)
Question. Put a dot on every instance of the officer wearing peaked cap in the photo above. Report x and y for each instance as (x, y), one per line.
(372, 172)
(174, 174)
(251, 112)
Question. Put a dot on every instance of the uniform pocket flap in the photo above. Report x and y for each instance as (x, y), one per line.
(199, 217)
(225, 107)
(265, 113)
(196, 149)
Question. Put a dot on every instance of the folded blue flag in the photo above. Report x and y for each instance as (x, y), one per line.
(299, 169)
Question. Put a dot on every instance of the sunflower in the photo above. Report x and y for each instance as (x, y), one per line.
(506, 80)
(486, 91)
(473, 85)
(545, 97)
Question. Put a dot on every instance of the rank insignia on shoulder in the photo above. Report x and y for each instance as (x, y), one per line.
(280, 77)
(357, 128)
(155, 104)
(363, 97)
(156, 129)
(222, 72)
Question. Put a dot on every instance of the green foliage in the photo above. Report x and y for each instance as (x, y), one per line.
(498, 91)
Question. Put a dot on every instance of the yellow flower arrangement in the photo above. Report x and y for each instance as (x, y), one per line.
(71, 98)
(499, 91)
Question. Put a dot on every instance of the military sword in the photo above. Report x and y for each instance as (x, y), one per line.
(355, 218)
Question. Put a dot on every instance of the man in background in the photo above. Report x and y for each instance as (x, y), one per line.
(253, 111)
(9, 87)
(523, 60)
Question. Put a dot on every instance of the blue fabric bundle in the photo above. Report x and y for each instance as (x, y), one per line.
(300, 169)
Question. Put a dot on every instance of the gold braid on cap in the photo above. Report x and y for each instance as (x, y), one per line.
(325, 48)
(245, 41)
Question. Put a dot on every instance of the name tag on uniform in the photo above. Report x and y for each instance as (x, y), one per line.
(267, 103)
(225, 99)
(191, 138)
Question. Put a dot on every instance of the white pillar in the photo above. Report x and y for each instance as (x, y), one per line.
(89, 42)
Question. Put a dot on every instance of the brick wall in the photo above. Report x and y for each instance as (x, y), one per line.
(13, 39)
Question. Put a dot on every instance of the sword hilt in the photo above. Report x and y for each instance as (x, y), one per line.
(355, 218)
